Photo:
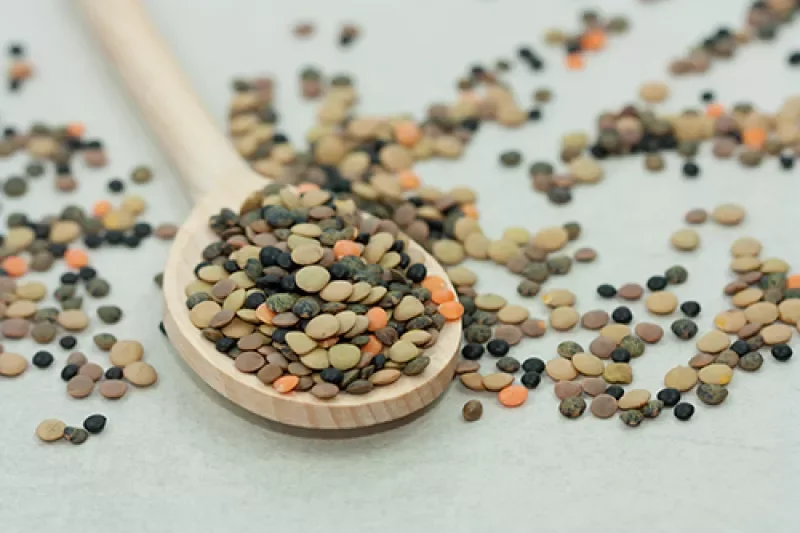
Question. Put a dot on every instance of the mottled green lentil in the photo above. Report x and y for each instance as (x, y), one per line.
(98, 287)
(751, 361)
(416, 366)
(104, 341)
(755, 342)
(528, 288)
(711, 394)
(773, 280)
(46, 314)
(34, 169)
(559, 264)
(676, 275)
(631, 417)
(76, 302)
(508, 365)
(572, 407)
(281, 302)
(573, 230)
(536, 271)
(541, 167)
(44, 332)
(634, 345)
(15, 187)
(196, 298)
(64, 292)
(683, 328)
(478, 333)
(485, 318)
(109, 314)
(567, 349)
(42, 261)
(652, 408)
(141, 174)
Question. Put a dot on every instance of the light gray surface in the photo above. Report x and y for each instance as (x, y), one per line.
(178, 458)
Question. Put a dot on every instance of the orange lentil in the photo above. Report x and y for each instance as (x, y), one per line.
(305, 187)
(377, 318)
(434, 283)
(443, 295)
(407, 133)
(344, 247)
(593, 40)
(285, 384)
(76, 258)
(76, 129)
(408, 180)
(470, 211)
(20, 70)
(451, 310)
(575, 62)
(715, 110)
(373, 347)
(793, 281)
(101, 208)
(754, 137)
(14, 266)
(513, 395)
(264, 314)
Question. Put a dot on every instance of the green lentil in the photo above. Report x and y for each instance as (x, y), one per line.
(676, 275)
(98, 287)
(572, 407)
(559, 264)
(141, 174)
(567, 349)
(76, 302)
(109, 314)
(15, 187)
(528, 288)
(104, 341)
(751, 361)
(652, 408)
(632, 417)
(511, 158)
(633, 345)
(711, 394)
(34, 169)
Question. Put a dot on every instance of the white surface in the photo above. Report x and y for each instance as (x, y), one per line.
(178, 458)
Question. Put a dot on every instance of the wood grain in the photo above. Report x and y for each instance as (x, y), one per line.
(215, 176)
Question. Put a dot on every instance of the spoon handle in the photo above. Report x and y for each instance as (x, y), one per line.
(200, 152)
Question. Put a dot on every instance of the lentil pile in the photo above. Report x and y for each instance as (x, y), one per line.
(59, 317)
(309, 295)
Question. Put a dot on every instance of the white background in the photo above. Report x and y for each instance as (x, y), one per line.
(178, 458)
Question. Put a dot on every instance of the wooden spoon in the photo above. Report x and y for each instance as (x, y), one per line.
(216, 176)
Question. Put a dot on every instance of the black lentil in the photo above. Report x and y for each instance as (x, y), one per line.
(42, 359)
(616, 391)
(622, 315)
(68, 342)
(606, 291)
(620, 355)
(781, 352)
(69, 372)
(670, 396)
(472, 351)
(690, 308)
(531, 379)
(497, 347)
(691, 169)
(683, 411)
(115, 372)
(116, 185)
(94, 424)
(657, 283)
(740, 347)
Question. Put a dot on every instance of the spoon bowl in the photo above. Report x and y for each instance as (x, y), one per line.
(216, 177)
